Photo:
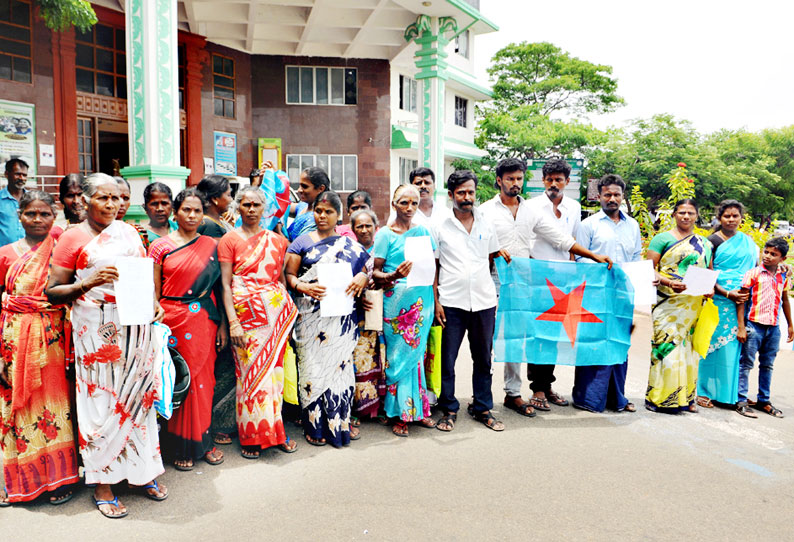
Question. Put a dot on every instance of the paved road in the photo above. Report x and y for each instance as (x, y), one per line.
(564, 475)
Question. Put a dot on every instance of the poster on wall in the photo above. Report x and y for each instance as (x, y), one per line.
(225, 153)
(18, 133)
(270, 150)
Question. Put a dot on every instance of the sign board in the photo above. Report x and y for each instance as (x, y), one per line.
(18, 133)
(270, 149)
(533, 179)
(225, 153)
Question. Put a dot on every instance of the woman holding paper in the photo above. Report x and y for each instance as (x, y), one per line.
(674, 363)
(39, 452)
(735, 253)
(113, 362)
(324, 344)
(261, 315)
(187, 283)
(407, 312)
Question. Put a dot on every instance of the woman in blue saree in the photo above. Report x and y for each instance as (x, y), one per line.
(407, 316)
(734, 254)
(324, 344)
(313, 182)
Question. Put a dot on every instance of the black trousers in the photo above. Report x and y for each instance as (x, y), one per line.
(540, 377)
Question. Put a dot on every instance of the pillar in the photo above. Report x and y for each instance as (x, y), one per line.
(65, 101)
(428, 33)
(195, 57)
(152, 99)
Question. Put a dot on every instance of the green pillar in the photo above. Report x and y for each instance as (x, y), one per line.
(428, 33)
(152, 99)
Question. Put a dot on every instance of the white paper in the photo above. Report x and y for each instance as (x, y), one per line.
(336, 277)
(135, 290)
(419, 251)
(699, 281)
(209, 166)
(641, 275)
(46, 155)
(373, 318)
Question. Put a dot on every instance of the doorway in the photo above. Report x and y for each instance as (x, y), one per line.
(113, 152)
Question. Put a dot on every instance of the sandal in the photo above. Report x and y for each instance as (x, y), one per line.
(629, 408)
(153, 496)
(355, 433)
(769, 409)
(212, 458)
(429, 423)
(62, 495)
(520, 406)
(745, 410)
(313, 442)
(704, 402)
(4, 500)
(447, 422)
(288, 446)
(400, 429)
(222, 439)
(114, 502)
(250, 452)
(556, 399)
(693, 408)
(539, 403)
(354, 421)
(382, 419)
(187, 464)
(487, 419)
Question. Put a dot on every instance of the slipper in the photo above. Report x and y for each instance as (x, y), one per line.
(250, 452)
(629, 408)
(287, 448)
(556, 399)
(354, 421)
(62, 496)
(447, 422)
(114, 502)
(184, 468)
(428, 423)
(704, 402)
(382, 419)
(523, 408)
(400, 429)
(208, 457)
(745, 410)
(769, 409)
(145, 490)
(355, 436)
(487, 419)
(539, 404)
(5, 504)
(313, 442)
(222, 439)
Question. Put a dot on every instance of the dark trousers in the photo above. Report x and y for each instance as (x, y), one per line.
(480, 326)
(540, 377)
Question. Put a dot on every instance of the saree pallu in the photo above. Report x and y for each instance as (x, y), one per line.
(267, 314)
(672, 380)
(407, 317)
(718, 374)
(324, 348)
(39, 453)
(302, 223)
(117, 426)
(189, 274)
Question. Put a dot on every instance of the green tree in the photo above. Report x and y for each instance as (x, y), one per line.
(59, 15)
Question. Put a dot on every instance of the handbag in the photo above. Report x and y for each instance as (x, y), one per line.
(433, 364)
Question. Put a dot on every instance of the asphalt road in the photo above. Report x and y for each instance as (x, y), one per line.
(564, 475)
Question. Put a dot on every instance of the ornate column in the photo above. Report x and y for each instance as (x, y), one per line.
(152, 98)
(428, 33)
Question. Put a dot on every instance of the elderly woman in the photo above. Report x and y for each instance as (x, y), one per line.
(114, 363)
(39, 453)
(261, 315)
(407, 315)
(324, 345)
(313, 182)
(674, 363)
(186, 281)
(735, 253)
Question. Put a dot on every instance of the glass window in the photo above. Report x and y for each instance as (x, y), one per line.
(337, 86)
(293, 85)
(105, 84)
(351, 173)
(293, 169)
(407, 94)
(462, 44)
(336, 172)
(223, 86)
(321, 86)
(461, 107)
(342, 169)
(85, 81)
(16, 28)
(101, 62)
(350, 86)
(307, 84)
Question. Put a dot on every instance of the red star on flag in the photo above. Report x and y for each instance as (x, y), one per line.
(568, 310)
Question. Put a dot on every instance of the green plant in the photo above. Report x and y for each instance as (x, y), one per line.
(59, 15)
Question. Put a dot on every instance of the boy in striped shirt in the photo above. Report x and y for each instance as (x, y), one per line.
(767, 285)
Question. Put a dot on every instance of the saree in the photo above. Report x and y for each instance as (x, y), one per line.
(674, 363)
(718, 374)
(39, 452)
(324, 345)
(189, 274)
(407, 317)
(369, 357)
(267, 314)
(303, 222)
(117, 426)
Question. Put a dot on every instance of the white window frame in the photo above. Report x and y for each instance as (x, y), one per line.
(406, 166)
(413, 93)
(309, 160)
(466, 113)
(329, 70)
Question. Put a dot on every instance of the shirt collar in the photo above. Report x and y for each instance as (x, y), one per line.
(457, 224)
(602, 215)
(498, 201)
(5, 194)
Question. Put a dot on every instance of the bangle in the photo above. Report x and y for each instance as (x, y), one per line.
(81, 287)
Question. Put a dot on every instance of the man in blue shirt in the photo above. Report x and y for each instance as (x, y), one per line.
(617, 235)
(10, 227)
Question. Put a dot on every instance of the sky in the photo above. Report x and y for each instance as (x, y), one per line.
(726, 64)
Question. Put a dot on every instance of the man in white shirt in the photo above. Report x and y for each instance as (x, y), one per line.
(466, 299)
(429, 212)
(517, 223)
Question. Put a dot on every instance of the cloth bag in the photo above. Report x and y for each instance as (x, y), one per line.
(433, 364)
(708, 319)
(164, 371)
(290, 376)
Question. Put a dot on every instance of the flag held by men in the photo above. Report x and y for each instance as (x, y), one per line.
(562, 313)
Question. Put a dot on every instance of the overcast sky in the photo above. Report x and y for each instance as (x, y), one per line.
(719, 64)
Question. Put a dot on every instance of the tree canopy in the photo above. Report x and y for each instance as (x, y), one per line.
(59, 15)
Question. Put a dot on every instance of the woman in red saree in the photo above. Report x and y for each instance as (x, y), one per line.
(186, 271)
(261, 314)
(39, 453)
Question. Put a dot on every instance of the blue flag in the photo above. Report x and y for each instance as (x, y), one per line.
(562, 313)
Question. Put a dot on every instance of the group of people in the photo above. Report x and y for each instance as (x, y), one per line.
(241, 299)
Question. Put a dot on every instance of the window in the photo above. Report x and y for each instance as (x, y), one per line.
(342, 169)
(406, 167)
(223, 86)
(181, 69)
(85, 146)
(461, 108)
(101, 61)
(407, 94)
(321, 86)
(15, 44)
(462, 44)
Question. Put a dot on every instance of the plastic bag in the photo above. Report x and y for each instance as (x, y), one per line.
(707, 322)
(290, 376)
(433, 363)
